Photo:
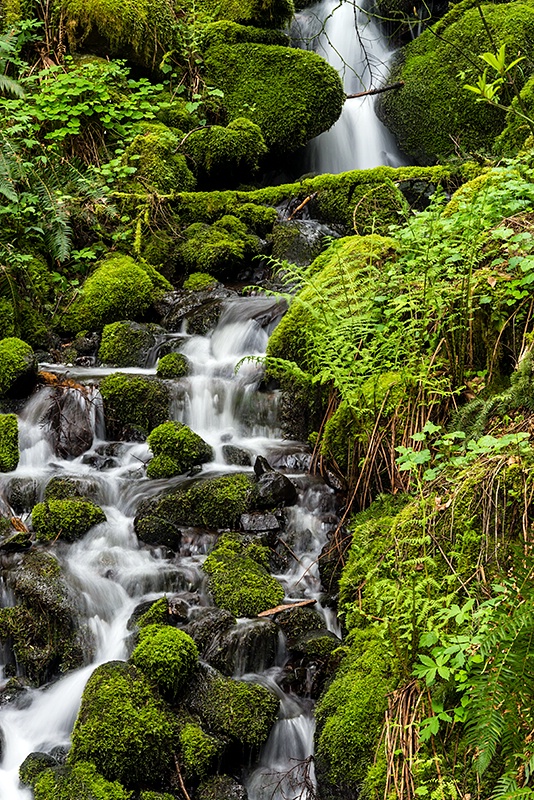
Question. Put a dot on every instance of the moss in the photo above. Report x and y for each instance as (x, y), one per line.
(213, 503)
(33, 765)
(517, 131)
(126, 344)
(238, 579)
(176, 449)
(63, 488)
(227, 154)
(350, 713)
(173, 365)
(118, 289)
(79, 782)
(133, 402)
(198, 750)
(167, 656)
(222, 248)
(228, 32)
(263, 13)
(9, 442)
(157, 614)
(199, 281)
(123, 729)
(18, 367)
(69, 519)
(433, 114)
(293, 95)
(156, 796)
(160, 168)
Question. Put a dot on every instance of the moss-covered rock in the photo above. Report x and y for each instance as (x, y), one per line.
(68, 519)
(199, 281)
(238, 578)
(123, 729)
(133, 404)
(291, 94)
(263, 13)
(173, 365)
(222, 248)
(517, 132)
(176, 449)
(78, 782)
(198, 750)
(127, 344)
(212, 503)
(167, 656)
(18, 367)
(33, 765)
(9, 442)
(118, 289)
(227, 32)
(433, 114)
(160, 168)
(226, 155)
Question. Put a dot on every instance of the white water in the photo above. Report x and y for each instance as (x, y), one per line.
(352, 42)
(109, 573)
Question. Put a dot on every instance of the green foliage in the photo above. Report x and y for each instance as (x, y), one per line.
(263, 13)
(222, 248)
(9, 442)
(238, 579)
(173, 365)
(81, 781)
(69, 519)
(167, 656)
(17, 364)
(133, 402)
(122, 728)
(176, 449)
(198, 750)
(291, 94)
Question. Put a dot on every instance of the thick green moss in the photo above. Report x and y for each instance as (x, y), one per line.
(227, 32)
(432, 115)
(156, 796)
(198, 750)
(293, 95)
(176, 449)
(263, 13)
(18, 366)
(199, 281)
(167, 656)
(133, 402)
(79, 782)
(238, 579)
(125, 344)
(173, 365)
(9, 442)
(222, 248)
(69, 519)
(59, 488)
(157, 614)
(160, 168)
(123, 729)
(517, 131)
(118, 289)
(227, 153)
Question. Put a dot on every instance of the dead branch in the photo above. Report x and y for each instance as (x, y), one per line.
(397, 85)
(302, 205)
(285, 607)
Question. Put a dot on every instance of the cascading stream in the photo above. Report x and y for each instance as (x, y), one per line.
(352, 42)
(109, 573)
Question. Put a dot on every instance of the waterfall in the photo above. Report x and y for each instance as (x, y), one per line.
(352, 42)
(109, 572)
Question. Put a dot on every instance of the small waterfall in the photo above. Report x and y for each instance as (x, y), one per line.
(352, 42)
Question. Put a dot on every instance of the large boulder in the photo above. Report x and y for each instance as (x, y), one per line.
(128, 344)
(68, 519)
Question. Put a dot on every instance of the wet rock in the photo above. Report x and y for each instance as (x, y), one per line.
(15, 691)
(178, 609)
(176, 306)
(207, 625)
(274, 489)
(222, 787)
(18, 368)
(87, 344)
(159, 609)
(16, 542)
(261, 466)
(129, 344)
(298, 622)
(133, 405)
(236, 456)
(247, 647)
(258, 522)
(22, 494)
(294, 462)
(159, 532)
(64, 488)
(70, 420)
(300, 241)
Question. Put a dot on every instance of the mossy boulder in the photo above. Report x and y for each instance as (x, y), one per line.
(198, 750)
(119, 288)
(225, 31)
(172, 366)
(213, 503)
(199, 281)
(33, 765)
(517, 132)
(221, 249)
(127, 344)
(64, 488)
(176, 450)
(226, 155)
(263, 13)
(133, 405)
(238, 578)
(123, 728)
(68, 519)
(433, 114)
(160, 168)
(78, 782)
(18, 368)
(243, 711)
(9, 442)
(167, 656)
(293, 95)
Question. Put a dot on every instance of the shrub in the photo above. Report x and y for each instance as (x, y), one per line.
(69, 519)
(9, 442)
(167, 656)
(176, 449)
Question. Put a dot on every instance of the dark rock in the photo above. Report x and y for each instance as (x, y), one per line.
(176, 306)
(86, 345)
(297, 622)
(222, 787)
(69, 420)
(22, 494)
(236, 456)
(274, 489)
(178, 609)
(207, 624)
(261, 466)
(259, 521)
(16, 542)
(300, 241)
(246, 647)
(160, 532)
(14, 691)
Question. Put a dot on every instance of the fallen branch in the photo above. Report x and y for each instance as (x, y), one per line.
(302, 205)
(181, 780)
(397, 85)
(286, 606)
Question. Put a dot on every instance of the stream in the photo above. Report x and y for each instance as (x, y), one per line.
(110, 573)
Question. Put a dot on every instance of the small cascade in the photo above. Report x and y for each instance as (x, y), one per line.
(352, 42)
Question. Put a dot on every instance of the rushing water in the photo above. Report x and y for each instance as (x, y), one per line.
(110, 573)
(351, 40)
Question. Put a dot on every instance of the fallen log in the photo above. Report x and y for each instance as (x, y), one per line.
(286, 607)
(397, 85)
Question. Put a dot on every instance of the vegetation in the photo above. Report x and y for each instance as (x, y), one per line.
(133, 403)
(176, 449)
(173, 365)
(69, 519)
(9, 442)
(167, 656)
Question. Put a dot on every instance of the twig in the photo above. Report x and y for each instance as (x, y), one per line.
(397, 85)
(180, 779)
